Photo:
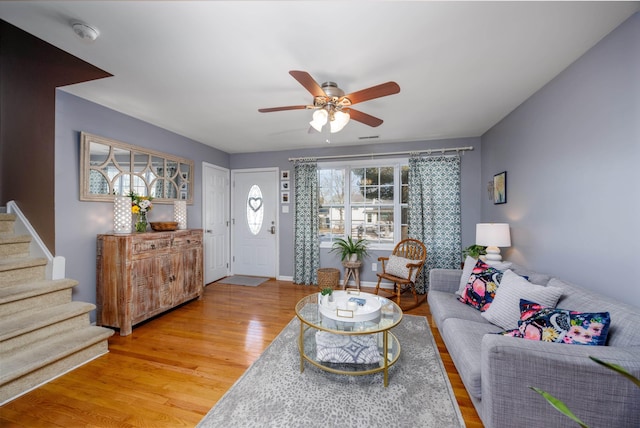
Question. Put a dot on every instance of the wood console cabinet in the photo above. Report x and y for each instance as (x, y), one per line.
(140, 275)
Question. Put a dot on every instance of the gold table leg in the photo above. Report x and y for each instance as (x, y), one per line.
(301, 346)
(385, 340)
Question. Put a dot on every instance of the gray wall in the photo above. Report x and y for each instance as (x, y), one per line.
(572, 153)
(471, 191)
(77, 223)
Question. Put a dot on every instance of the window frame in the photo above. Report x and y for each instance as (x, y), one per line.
(347, 166)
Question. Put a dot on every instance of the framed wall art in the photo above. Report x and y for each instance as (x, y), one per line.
(500, 188)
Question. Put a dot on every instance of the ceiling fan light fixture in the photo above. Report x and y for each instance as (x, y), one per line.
(319, 119)
(340, 120)
(329, 101)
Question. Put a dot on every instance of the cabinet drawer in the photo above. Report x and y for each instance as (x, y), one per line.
(143, 246)
(187, 240)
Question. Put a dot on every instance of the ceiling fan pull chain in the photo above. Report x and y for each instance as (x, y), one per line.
(328, 131)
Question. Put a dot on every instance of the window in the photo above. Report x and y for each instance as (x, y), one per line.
(255, 209)
(365, 200)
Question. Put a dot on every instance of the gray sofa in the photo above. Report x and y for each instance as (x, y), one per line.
(497, 370)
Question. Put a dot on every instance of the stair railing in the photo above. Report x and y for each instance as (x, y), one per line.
(55, 264)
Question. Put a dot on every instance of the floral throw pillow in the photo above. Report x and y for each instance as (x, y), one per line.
(481, 287)
(561, 325)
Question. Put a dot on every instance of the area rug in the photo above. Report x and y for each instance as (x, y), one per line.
(251, 281)
(273, 392)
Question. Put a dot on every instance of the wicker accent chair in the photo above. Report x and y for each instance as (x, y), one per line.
(403, 266)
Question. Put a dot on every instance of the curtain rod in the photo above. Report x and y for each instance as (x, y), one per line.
(428, 152)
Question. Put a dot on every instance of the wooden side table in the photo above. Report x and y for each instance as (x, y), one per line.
(352, 269)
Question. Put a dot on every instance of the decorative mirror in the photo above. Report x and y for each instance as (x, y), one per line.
(109, 168)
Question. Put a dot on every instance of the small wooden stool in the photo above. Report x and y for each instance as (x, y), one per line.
(352, 269)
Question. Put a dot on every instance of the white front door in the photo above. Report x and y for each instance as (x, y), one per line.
(215, 206)
(254, 222)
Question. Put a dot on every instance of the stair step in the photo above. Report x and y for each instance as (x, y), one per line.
(6, 223)
(14, 245)
(19, 332)
(52, 358)
(31, 297)
(21, 269)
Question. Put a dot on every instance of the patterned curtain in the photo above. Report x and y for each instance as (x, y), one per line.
(98, 185)
(307, 246)
(434, 211)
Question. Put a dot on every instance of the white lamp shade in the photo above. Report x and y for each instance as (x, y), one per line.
(180, 214)
(122, 214)
(493, 234)
(319, 119)
(340, 119)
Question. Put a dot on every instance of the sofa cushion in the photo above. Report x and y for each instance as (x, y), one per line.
(561, 325)
(625, 319)
(445, 305)
(464, 339)
(444, 279)
(505, 308)
(469, 264)
(532, 276)
(482, 286)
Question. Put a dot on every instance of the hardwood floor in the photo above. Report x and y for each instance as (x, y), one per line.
(174, 368)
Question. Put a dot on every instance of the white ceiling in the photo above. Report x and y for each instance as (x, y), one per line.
(203, 68)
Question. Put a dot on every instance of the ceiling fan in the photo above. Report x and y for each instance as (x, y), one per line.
(333, 106)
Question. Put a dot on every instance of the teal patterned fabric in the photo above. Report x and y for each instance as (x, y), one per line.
(306, 244)
(434, 212)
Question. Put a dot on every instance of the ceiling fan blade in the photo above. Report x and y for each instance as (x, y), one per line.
(269, 110)
(307, 81)
(365, 118)
(377, 91)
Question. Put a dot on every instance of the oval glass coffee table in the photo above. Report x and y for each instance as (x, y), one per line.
(349, 335)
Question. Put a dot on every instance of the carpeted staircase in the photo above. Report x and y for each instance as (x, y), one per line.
(43, 333)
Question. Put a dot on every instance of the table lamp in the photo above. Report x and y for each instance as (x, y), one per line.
(492, 236)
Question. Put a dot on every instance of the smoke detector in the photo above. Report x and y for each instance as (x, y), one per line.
(84, 31)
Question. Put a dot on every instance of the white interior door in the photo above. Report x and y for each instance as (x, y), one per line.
(254, 222)
(215, 221)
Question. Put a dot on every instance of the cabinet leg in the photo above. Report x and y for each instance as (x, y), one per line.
(125, 330)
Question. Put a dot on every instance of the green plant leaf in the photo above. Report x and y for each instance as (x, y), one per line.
(618, 369)
(474, 251)
(560, 406)
(346, 247)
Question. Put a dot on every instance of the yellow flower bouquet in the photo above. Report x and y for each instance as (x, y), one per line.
(140, 205)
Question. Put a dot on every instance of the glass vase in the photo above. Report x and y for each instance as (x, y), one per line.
(141, 222)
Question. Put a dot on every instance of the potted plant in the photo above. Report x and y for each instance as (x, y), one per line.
(474, 251)
(349, 249)
(327, 294)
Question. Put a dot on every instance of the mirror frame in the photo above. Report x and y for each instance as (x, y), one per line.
(85, 169)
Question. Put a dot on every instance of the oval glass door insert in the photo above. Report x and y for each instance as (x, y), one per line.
(255, 209)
